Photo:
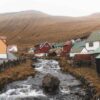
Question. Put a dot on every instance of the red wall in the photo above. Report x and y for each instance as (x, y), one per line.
(82, 57)
(67, 48)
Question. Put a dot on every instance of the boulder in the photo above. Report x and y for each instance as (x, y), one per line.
(50, 84)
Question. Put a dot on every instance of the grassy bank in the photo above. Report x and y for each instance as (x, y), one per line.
(19, 72)
(87, 73)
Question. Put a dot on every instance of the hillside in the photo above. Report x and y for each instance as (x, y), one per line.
(29, 27)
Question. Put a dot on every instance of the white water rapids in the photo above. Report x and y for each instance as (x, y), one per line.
(30, 89)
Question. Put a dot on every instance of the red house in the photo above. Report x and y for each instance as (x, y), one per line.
(66, 48)
(43, 48)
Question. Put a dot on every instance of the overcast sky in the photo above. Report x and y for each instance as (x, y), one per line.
(53, 7)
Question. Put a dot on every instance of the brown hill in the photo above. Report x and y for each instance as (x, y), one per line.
(29, 27)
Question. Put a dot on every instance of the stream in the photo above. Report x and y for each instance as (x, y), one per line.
(30, 89)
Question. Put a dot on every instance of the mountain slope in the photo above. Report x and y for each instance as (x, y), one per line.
(29, 27)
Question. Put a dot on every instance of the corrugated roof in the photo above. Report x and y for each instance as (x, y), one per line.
(78, 47)
(95, 36)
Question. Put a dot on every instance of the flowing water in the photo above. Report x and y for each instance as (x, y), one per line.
(30, 89)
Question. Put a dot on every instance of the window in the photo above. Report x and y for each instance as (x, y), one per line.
(91, 44)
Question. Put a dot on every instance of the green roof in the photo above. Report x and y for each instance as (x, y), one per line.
(78, 47)
(94, 36)
(98, 57)
(58, 45)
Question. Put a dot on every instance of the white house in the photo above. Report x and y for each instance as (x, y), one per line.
(89, 46)
(93, 41)
(12, 48)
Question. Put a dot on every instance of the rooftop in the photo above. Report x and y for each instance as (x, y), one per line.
(94, 36)
(78, 47)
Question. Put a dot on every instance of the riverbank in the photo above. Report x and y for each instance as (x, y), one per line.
(19, 72)
(87, 74)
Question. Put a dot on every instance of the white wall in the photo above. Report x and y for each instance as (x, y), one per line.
(84, 51)
(3, 56)
(96, 45)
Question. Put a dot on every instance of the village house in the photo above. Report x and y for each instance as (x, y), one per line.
(66, 48)
(78, 48)
(12, 48)
(3, 48)
(93, 41)
(42, 49)
(89, 46)
(86, 50)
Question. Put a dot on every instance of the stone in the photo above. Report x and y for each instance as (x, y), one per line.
(50, 84)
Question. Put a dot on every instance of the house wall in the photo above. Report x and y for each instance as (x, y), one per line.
(3, 50)
(3, 56)
(67, 48)
(96, 45)
(82, 57)
(3, 47)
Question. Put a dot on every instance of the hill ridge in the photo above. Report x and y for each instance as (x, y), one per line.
(28, 28)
